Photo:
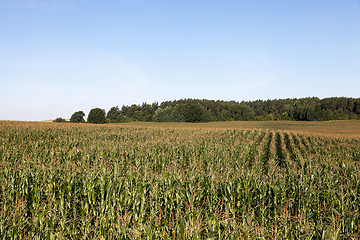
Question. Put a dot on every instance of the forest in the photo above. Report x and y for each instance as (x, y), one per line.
(202, 110)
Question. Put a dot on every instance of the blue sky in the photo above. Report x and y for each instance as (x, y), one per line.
(61, 56)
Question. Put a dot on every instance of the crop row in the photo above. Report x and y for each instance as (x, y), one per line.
(116, 182)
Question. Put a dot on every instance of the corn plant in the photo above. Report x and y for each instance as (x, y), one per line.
(70, 181)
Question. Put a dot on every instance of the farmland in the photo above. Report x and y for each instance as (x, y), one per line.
(184, 181)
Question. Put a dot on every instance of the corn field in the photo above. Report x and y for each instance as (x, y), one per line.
(79, 181)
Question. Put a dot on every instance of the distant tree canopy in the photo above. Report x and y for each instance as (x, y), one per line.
(77, 117)
(97, 115)
(195, 110)
(59, 119)
(168, 114)
(114, 115)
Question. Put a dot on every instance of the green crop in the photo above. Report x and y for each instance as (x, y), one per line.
(64, 181)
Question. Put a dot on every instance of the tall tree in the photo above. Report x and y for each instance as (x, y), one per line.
(97, 115)
(114, 115)
(77, 117)
(195, 112)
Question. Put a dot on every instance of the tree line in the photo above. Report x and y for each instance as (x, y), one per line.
(197, 110)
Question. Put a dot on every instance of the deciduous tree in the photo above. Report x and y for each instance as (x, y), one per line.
(97, 115)
(77, 117)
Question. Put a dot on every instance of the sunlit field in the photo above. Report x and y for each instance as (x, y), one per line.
(319, 128)
(228, 180)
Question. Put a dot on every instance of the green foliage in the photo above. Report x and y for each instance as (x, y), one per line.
(142, 112)
(265, 157)
(280, 157)
(236, 112)
(304, 109)
(195, 110)
(77, 117)
(111, 182)
(169, 114)
(59, 119)
(107, 182)
(97, 115)
(114, 115)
